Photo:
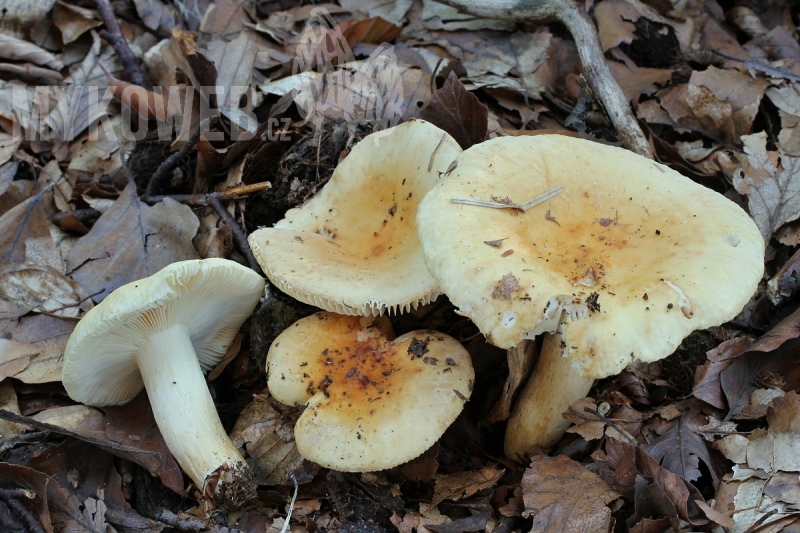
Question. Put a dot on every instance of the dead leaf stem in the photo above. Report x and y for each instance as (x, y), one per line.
(114, 36)
(596, 70)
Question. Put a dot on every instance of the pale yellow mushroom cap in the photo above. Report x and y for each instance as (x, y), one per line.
(353, 248)
(625, 262)
(372, 403)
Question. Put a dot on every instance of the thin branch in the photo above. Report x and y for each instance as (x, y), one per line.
(163, 173)
(11, 498)
(113, 35)
(238, 234)
(598, 75)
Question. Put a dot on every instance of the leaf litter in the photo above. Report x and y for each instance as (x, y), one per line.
(702, 442)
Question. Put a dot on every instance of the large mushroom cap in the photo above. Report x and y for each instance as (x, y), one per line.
(353, 248)
(372, 403)
(631, 255)
(210, 297)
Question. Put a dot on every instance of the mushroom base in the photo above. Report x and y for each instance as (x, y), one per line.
(188, 420)
(536, 421)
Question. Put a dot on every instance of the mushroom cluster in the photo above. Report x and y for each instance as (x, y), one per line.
(620, 266)
(163, 332)
(354, 251)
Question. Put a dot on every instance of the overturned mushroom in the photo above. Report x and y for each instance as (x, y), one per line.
(372, 403)
(620, 266)
(162, 332)
(353, 248)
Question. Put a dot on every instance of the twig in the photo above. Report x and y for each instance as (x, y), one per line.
(238, 234)
(510, 205)
(11, 498)
(113, 35)
(598, 75)
(762, 67)
(611, 423)
(234, 193)
(163, 173)
(181, 524)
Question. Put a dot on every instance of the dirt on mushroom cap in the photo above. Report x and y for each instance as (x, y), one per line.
(635, 255)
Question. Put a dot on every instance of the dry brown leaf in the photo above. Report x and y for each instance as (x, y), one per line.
(460, 485)
(131, 241)
(19, 50)
(771, 182)
(8, 402)
(127, 431)
(268, 438)
(39, 289)
(458, 112)
(49, 334)
(416, 522)
(561, 495)
(369, 31)
(778, 449)
(73, 21)
(681, 448)
(159, 17)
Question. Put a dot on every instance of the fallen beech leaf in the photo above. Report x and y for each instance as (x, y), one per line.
(73, 21)
(416, 522)
(373, 30)
(778, 449)
(49, 335)
(681, 447)
(769, 179)
(658, 486)
(460, 485)
(19, 50)
(131, 241)
(145, 103)
(562, 495)
(268, 438)
(15, 357)
(458, 112)
(127, 431)
(39, 289)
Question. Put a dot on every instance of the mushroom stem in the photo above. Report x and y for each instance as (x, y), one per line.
(554, 384)
(188, 420)
(598, 75)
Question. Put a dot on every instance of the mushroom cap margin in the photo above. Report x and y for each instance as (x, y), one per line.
(356, 237)
(582, 263)
(210, 297)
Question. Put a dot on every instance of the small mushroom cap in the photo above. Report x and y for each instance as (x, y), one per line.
(372, 403)
(353, 248)
(210, 297)
(625, 262)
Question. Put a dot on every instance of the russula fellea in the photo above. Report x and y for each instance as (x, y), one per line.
(371, 403)
(162, 332)
(620, 266)
(353, 247)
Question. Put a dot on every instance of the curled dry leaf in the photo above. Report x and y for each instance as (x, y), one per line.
(561, 495)
(458, 112)
(460, 485)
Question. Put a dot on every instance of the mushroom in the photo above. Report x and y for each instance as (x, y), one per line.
(620, 266)
(371, 403)
(353, 247)
(162, 332)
